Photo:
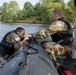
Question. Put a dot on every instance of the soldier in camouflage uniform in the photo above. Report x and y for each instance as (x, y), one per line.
(60, 31)
(12, 41)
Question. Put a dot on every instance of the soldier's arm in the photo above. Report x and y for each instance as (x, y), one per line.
(54, 28)
(43, 33)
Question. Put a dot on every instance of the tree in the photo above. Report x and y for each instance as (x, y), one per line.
(38, 11)
(57, 1)
(4, 11)
(48, 7)
(29, 8)
(14, 9)
(0, 13)
(22, 14)
(9, 11)
(71, 5)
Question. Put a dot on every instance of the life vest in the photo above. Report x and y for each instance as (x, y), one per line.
(65, 36)
(6, 49)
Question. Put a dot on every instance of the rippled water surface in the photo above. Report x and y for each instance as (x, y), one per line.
(30, 28)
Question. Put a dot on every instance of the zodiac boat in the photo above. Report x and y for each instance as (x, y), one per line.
(32, 60)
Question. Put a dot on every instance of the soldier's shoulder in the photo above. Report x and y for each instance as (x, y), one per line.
(57, 26)
(13, 35)
(58, 23)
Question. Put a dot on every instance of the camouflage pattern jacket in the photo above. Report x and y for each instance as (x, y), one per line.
(54, 28)
(14, 39)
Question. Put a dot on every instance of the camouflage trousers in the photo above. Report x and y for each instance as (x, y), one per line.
(56, 49)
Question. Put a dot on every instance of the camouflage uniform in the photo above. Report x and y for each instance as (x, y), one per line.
(54, 28)
(11, 38)
(14, 39)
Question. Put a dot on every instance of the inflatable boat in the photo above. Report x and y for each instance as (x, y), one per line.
(32, 60)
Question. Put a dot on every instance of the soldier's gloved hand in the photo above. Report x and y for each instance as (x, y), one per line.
(32, 35)
(27, 36)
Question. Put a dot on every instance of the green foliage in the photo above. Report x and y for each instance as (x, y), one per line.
(29, 8)
(68, 10)
(10, 12)
(47, 7)
(56, 0)
(4, 11)
(22, 14)
(0, 13)
(73, 8)
(38, 11)
(68, 13)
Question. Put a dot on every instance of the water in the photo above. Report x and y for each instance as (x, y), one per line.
(29, 28)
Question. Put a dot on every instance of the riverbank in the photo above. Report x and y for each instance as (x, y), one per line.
(25, 21)
(29, 21)
(32, 22)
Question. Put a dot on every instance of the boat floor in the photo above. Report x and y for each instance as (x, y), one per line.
(69, 63)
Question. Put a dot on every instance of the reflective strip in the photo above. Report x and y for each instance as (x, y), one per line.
(17, 39)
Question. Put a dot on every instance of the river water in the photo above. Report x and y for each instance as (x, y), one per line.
(29, 28)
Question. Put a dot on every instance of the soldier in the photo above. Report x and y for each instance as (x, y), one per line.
(60, 32)
(12, 42)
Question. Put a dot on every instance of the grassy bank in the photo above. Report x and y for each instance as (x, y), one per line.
(25, 21)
